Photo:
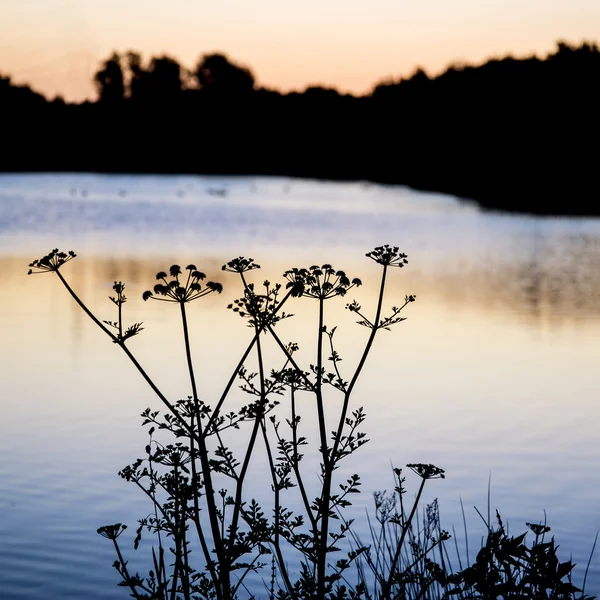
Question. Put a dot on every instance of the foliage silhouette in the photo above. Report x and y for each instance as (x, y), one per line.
(217, 75)
(110, 82)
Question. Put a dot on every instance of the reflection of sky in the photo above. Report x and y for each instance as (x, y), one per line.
(542, 269)
(495, 370)
(57, 44)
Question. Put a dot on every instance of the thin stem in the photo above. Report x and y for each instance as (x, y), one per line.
(361, 364)
(85, 308)
(122, 345)
(281, 345)
(196, 515)
(123, 564)
(227, 389)
(160, 573)
(277, 493)
(319, 385)
(294, 462)
(206, 473)
(335, 362)
(241, 362)
(188, 354)
(327, 463)
(156, 504)
(243, 576)
(177, 539)
(152, 494)
(240, 481)
(385, 591)
(227, 458)
(186, 566)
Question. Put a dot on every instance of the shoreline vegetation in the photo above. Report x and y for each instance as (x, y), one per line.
(207, 536)
(512, 134)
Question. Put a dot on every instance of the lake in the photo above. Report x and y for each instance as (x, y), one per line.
(493, 376)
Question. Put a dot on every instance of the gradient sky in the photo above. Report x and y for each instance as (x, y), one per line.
(56, 45)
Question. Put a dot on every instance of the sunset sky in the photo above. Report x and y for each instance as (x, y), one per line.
(56, 45)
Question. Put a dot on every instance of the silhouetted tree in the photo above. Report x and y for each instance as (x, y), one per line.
(136, 81)
(164, 80)
(217, 75)
(19, 97)
(318, 93)
(110, 82)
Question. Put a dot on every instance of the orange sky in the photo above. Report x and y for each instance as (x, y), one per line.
(56, 45)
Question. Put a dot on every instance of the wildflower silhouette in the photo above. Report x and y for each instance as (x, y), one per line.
(388, 256)
(51, 262)
(174, 291)
(427, 471)
(240, 265)
(319, 282)
(112, 532)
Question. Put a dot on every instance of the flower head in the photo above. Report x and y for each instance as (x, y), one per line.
(319, 282)
(427, 471)
(174, 290)
(172, 455)
(388, 256)
(538, 529)
(112, 532)
(240, 265)
(51, 262)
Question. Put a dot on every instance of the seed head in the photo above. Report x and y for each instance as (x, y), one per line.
(175, 290)
(388, 256)
(319, 282)
(427, 471)
(51, 262)
(240, 265)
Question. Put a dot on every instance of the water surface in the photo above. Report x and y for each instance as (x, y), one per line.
(493, 374)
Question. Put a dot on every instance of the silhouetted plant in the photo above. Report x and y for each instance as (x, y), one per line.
(506, 567)
(210, 534)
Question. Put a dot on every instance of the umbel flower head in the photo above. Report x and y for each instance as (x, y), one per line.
(388, 256)
(174, 290)
(240, 265)
(427, 471)
(319, 282)
(51, 262)
(112, 532)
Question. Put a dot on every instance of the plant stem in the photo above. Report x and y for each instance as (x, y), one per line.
(385, 590)
(249, 450)
(127, 352)
(277, 510)
(294, 462)
(242, 360)
(361, 363)
(327, 464)
(206, 473)
(319, 385)
(196, 515)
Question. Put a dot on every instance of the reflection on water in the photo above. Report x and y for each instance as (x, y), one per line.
(495, 371)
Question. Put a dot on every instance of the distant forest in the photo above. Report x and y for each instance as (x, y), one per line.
(513, 134)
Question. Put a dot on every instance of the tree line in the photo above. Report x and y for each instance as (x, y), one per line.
(514, 134)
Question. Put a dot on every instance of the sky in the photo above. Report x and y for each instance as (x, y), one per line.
(57, 45)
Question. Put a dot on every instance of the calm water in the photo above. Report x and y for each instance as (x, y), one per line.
(495, 373)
